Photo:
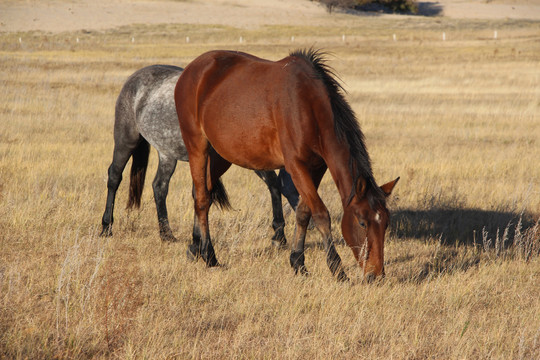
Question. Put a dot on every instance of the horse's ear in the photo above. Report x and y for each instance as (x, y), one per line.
(361, 187)
(389, 186)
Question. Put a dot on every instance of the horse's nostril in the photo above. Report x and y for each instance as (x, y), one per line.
(370, 277)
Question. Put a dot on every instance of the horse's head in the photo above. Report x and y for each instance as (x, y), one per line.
(363, 226)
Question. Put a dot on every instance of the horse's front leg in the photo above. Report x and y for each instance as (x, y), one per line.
(311, 205)
(297, 258)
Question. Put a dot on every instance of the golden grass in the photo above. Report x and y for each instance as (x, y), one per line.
(457, 120)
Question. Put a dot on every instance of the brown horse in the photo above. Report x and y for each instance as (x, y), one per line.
(236, 108)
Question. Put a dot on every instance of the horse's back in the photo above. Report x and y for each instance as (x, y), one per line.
(240, 99)
(146, 105)
(225, 69)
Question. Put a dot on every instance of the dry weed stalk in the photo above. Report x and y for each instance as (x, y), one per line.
(531, 242)
(75, 284)
(120, 295)
(524, 244)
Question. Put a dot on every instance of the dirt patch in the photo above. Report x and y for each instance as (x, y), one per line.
(488, 9)
(63, 15)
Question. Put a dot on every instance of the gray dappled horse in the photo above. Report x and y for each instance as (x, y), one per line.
(146, 114)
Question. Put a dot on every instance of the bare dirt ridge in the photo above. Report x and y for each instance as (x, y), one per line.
(65, 15)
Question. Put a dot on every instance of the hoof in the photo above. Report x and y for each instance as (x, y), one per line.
(210, 258)
(194, 253)
(279, 239)
(302, 270)
(106, 232)
(215, 264)
(212, 263)
(167, 237)
(297, 262)
(342, 277)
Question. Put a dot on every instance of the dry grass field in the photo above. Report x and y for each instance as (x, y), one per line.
(458, 120)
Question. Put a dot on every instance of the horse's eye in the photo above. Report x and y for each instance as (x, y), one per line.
(362, 224)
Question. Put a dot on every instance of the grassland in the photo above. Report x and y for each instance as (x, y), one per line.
(458, 120)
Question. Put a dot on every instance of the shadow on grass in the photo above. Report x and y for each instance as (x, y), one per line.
(455, 226)
(480, 233)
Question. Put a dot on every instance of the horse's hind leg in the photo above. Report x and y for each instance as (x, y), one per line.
(278, 223)
(160, 186)
(121, 155)
(204, 175)
(287, 188)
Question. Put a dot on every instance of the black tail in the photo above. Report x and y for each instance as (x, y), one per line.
(219, 196)
(138, 173)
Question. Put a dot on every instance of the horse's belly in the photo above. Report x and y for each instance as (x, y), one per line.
(252, 150)
(253, 162)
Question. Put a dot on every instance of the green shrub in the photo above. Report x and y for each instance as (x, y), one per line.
(399, 6)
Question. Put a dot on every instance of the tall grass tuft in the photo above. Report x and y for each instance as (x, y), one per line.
(119, 296)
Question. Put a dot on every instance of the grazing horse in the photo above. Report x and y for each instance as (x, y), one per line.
(145, 114)
(291, 113)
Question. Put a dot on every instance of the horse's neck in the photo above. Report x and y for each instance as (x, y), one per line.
(337, 158)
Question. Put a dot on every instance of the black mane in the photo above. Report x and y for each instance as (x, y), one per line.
(346, 127)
